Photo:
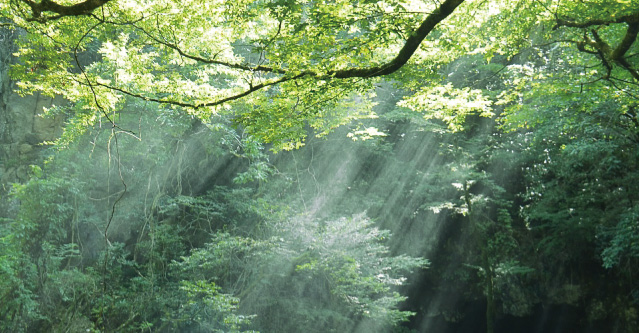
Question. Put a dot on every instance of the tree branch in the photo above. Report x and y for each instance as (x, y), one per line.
(604, 51)
(407, 51)
(628, 39)
(237, 96)
(446, 8)
(409, 48)
(630, 18)
(258, 68)
(83, 8)
(617, 55)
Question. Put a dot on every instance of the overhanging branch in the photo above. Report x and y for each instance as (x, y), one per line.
(628, 39)
(176, 48)
(409, 48)
(406, 52)
(564, 22)
(198, 105)
(58, 11)
(604, 51)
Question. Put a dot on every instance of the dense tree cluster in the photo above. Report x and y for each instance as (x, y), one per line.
(326, 166)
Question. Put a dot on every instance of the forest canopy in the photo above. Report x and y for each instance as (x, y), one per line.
(277, 66)
(321, 166)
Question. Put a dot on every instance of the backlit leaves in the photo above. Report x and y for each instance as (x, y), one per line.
(449, 104)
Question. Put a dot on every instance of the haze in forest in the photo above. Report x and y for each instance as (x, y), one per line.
(304, 166)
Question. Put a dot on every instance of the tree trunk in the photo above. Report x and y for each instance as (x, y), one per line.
(490, 294)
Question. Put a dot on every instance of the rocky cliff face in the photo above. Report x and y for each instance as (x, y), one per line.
(22, 125)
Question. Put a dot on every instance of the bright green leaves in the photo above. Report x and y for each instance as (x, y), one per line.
(42, 66)
(217, 52)
(202, 55)
(579, 11)
(490, 28)
(341, 34)
(285, 114)
(449, 104)
(366, 134)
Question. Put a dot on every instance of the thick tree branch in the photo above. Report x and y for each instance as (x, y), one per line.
(608, 54)
(47, 6)
(86, 7)
(629, 68)
(406, 52)
(630, 18)
(628, 39)
(604, 51)
(409, 48)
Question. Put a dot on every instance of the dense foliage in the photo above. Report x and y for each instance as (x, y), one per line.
(285, 166)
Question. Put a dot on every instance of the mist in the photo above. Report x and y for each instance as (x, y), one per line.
(504, 210)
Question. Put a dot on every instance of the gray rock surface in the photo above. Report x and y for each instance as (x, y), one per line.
(23, 128)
